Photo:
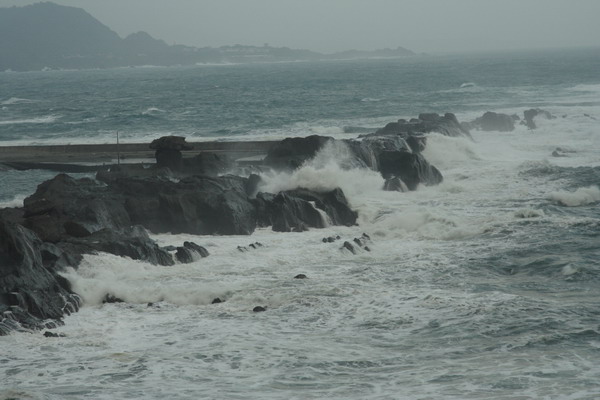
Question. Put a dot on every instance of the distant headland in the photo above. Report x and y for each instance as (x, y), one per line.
(50, 36)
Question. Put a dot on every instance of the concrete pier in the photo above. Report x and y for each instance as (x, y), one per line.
(101, 154)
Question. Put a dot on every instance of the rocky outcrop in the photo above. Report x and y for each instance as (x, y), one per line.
(291, 153)
(491, 121)
(31, 296)
(531, 114)
(198, 204)
(300, 209)
(66, 207)
(426, 123)
(168, 151)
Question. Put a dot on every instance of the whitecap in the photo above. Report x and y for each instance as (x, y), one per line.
(48, 119)
(16, 100)
(580, 197)
(153, 111)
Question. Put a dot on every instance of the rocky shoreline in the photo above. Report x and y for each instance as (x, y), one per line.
(207, 194)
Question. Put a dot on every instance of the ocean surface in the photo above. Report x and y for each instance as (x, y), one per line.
(484, 287)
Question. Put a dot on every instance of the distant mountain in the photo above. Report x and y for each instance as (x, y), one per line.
(47, 35)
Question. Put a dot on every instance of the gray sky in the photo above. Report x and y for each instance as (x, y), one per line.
(333, 25)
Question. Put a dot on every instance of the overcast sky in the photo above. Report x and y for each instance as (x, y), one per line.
(332, 25)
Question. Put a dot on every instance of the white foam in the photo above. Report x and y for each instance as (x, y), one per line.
(581, 197)
(48, 119)
(139, 282)
(16, 100)
(153, 111)
(324, 172)
(17, 201)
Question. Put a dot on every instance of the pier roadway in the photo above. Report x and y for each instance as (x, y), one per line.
(80, 156)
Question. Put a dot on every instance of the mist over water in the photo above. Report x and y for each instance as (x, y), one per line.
(485, 286)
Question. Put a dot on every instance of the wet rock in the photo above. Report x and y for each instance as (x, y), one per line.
(447, 125)
(66, 207)
(395, 184)
(259, 309)
(348, 246)
(198, 205)
(168, 151)
(410, 168)
(301, 276)
(531, 114)
(207, 163)
(49, 334)
(216, 300)
(109, 298)
(170, 143)
(184, 256)
(200, 250)
(29, 292)
(491, 121)
(297, 210)
(291, 153)
(132, 242)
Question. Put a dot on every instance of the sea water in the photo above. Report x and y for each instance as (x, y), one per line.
(486, 286)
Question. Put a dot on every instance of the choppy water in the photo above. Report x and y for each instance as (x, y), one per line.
(484, 287)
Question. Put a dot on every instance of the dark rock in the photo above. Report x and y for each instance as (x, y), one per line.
(217, 301)
(190, 252)
(291, 153)
(259, 309)
(297, 210)
(301, 276)
(168, 151)
(109, 298)
(333, 203)
(411, 168)
(207, 163)
(198, 205)
(447, 125)
(348, 246)
(395, 184)
(169, 158)
(491, 121)
(170, 143)
(200, 250)
(252, 185)
(132, 242)
(417, 143)
(184, 255)
(66, 207)
(531, 114)
(49, 334)
(29, 292)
